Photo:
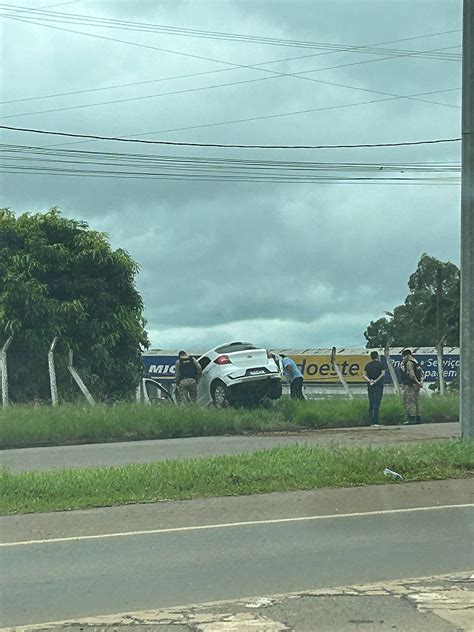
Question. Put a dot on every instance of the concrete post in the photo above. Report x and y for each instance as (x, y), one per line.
(3, 363)
(52, 373)
(78, 380)
(391, 369)
(467, 227)
(339, 374)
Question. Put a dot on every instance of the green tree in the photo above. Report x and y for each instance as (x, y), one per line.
(60, 278)
(430, 310)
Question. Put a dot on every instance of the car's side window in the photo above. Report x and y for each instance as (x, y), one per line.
(204, 362)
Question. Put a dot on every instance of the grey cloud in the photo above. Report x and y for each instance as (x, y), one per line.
(287, 265)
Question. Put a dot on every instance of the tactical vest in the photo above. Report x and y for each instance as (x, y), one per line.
(187, 369)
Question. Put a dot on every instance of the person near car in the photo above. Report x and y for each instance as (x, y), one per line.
(276, 359)
(411, 378)
(374, 374)
(187, 375)
(294, 376)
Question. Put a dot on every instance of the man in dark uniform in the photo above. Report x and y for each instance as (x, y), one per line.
(187, 375)
(374, 374)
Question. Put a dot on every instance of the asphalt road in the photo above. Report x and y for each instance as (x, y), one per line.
(119, 570)
(116, 454)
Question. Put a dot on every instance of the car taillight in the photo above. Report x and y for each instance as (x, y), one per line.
(223, 359)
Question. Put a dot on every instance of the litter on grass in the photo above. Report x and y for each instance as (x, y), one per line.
(396, 475)
(261, 602)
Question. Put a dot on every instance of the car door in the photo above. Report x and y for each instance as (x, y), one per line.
(204, 386)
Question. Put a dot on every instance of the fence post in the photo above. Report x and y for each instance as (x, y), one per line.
(339, 374)
(146, 398)
(138, 393)
(440, 353)
(78, 380)
(391, 368)
(52, 373)
(3, 358)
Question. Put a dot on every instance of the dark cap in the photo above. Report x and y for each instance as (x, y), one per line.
(406, 352)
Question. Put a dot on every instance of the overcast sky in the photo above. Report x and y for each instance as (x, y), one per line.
(280, 264)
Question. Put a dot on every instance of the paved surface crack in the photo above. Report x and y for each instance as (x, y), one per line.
(433, 604)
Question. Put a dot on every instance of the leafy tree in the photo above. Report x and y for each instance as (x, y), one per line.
(430, 311)
(60, 278)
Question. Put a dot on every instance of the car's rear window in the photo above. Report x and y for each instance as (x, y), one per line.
(235, 346)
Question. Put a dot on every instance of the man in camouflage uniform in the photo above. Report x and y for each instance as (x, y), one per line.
(411, 379)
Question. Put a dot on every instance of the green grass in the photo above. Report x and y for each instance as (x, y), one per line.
(22, 426)
(276, 470)
(341, 412)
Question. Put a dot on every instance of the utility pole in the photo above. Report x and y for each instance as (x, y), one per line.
(439, 303)
(467, 226)
(440, 335)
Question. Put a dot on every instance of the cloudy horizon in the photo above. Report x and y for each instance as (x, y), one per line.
(288, 265)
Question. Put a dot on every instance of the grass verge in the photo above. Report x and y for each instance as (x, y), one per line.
(23, 426)
(276, 470)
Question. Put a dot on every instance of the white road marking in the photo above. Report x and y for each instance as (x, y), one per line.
(227, 525)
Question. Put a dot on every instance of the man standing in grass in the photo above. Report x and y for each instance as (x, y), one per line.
(374, 375)
(294, 376)
(187, 375)
(411, 377)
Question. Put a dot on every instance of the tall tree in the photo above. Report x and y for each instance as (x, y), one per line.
(60, 278)
(430, 311)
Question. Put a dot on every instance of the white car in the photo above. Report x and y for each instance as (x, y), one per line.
(238, 372)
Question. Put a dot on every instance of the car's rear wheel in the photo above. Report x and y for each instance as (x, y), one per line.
(275, 389)
(220, 394)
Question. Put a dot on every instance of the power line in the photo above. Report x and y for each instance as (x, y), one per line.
(220, 70)
(167, 50)
(34, 160)
(206, 72)
(223, 85)
(47, 6)
(267, 70)
(275, 73)
(262, 117)
(27, 153)
(62, 17)
(178, 176)
(225, 145)
(193, 172)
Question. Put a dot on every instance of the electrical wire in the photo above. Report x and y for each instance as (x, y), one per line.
(226, 145)
(199, 177)
(32, 160)
(70, 18)
(254, 118)
(32, 152)
(201, 57)
(223, 85)
(220, 70)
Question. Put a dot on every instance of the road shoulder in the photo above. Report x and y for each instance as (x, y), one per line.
(209, 511)
(436, 604)
(150, 451)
